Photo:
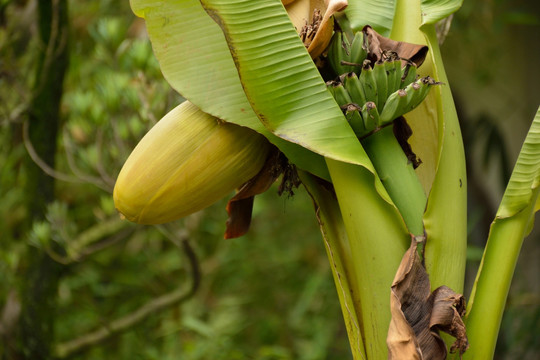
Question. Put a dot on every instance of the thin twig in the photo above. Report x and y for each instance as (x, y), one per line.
(69, 150)
(99, 165)
(102, 230)
(98, 246)
(117, 326)
(39, 161)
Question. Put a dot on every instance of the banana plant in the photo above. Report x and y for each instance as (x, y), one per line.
(328, 93)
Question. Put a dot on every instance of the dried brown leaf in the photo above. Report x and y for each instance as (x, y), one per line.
(326, 27)
(448, 309)
(379, 46)
(402, 132)
(418, 314)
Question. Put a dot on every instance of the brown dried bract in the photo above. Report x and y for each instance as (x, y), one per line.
(402, 132)
(418, 315)
(380, 48)
(240, 206)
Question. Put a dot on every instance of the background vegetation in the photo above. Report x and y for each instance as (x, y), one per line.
(121, 291)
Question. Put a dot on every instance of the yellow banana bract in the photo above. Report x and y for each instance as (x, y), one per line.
(315, 35)
(185, 163)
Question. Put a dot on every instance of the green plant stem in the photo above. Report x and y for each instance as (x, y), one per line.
(339, 254)
(398, 177)
(488, 298)
(513, 222)
(437, 140)
(378, 239)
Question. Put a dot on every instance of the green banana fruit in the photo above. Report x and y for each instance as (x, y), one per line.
(381, 78)
(369, 83)
(345, 56)
(341, 95)
(408, 75)
(352, 113)
(405, 100)
(370, 114)
(358, 52)
(354, 88)
(417, 92)
(395, 106)
(394, 73)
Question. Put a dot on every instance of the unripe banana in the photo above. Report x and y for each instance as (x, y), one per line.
(186, 162)
(354, 88)
(369, 84)
(395, 106)
(352, 113)
(351, 53)
(417, 92)
(405, 100)
(394, 72)
(358, 52)
(370, 114)
(339, 50)
(379, 72)
(341, 95)
(408, 75)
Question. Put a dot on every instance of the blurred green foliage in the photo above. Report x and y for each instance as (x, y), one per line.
(267, 295)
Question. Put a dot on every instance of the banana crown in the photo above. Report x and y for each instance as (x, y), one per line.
(375, 85)
(185, 163)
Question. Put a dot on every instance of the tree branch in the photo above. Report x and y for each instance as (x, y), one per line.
(68, 348)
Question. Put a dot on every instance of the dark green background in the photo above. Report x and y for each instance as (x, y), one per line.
(267, 295)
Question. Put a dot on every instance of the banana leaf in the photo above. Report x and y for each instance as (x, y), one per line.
(381, 14)
(513, 222)
(195, 59)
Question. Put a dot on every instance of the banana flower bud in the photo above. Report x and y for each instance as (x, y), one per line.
(314, 22)
(185, 163)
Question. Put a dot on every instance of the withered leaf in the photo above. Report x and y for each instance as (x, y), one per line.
(378, 46)
(402, 132)
(240, 206)
(418, 315)
(448, 310)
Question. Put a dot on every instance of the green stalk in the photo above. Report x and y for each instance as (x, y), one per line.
(340, 257)
(488, 299)
(437, 141)
(398, 177)
(378, 239)
(513, 222)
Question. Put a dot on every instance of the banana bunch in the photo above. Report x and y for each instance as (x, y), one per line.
(186, 162)
(382, 93)
(345, 56)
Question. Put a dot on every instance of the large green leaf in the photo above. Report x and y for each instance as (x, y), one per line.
(195, 60)
(526, 175)
(376, 13)
(513, 222)
(380, 14)
(435, 10)
(281, 81)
